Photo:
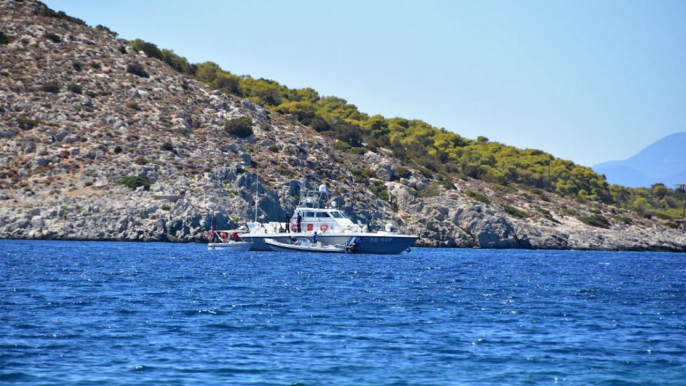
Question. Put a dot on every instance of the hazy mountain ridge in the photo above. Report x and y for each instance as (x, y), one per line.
(664, 161)
(80, 111)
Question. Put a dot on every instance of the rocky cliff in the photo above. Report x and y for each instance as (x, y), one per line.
(100, 142)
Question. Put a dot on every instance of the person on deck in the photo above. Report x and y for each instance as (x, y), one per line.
(288, 225)
(300, 219)
(235, 236)
(315, 237)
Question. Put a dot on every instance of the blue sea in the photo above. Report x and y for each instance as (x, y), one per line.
(109, 313)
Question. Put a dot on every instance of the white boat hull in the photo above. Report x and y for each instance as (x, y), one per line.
(285, 247)
(374, 243)
(234, 246)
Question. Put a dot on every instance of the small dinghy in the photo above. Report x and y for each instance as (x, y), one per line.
(304, 245)
(236, 246)
(222, 242)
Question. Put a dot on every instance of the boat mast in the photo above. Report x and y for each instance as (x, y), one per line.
(257, 181)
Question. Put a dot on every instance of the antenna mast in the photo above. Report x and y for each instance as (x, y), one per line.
(257, 187)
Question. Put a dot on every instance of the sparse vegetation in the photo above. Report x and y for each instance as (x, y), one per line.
(137, 69)
(515, 212)
(168, 146)
(44, 10)
(133, 106)
(52, 37)
(51, 87)
(240, 127)
(134, 182)
(4, 39)
(595, 220)
(477, 196)
(28, 124)
(102, 28)
(75, 88)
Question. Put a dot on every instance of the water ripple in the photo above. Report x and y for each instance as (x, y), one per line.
(137, 313)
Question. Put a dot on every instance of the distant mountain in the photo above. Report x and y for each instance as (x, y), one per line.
(662, 162)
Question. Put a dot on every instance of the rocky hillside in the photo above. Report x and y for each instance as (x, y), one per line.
(100, 142)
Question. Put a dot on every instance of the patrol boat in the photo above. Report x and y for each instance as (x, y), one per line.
(332, 226)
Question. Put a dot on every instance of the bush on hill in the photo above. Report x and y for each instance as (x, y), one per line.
(149, 49)
(137, 69)
(595, 220)
(4, 39)
(51, 87)
(134, 182)
(240, 127)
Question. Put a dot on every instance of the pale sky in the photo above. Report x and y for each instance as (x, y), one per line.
(588, 81)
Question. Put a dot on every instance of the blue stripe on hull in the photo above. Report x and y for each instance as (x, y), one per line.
(372, 243)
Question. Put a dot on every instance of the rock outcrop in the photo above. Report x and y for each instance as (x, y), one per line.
(98, 142)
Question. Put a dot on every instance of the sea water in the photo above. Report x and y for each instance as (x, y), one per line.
(110, 313)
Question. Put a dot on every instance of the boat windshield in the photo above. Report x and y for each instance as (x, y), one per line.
(337, 214)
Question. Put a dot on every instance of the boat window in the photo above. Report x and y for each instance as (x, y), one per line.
(308, 214)
(323, 214)
(337, 214)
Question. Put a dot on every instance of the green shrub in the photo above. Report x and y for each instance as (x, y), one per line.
(102, 28)
(179, 63)
(341, 146)
(595, 220)
(515, 212)
(403, 172)
(4, 39)
(430, 191)
(166, 207)
(137, 69)
(75, 88)
(134, 182)
(78, 66)
(670, 225)
(149, 49)
(477, 196)
(226, 83)
(379, 189)
(52, 87)
(624, 219)
(28, 124)
(240, 127)
(44, 10)
(664, 216)
(52, 37)
(133, 106)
